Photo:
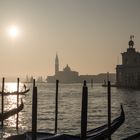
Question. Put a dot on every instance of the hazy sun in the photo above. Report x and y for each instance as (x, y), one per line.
(13, 31)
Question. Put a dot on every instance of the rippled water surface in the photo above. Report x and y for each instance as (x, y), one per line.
(70, 109)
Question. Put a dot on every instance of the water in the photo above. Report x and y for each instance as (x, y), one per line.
(70, 109)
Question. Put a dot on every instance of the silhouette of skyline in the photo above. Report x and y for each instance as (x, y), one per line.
(67, 75)
(88, 35)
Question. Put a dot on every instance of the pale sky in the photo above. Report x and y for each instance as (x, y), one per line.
(89, 35)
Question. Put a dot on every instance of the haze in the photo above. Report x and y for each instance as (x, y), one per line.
(89, 35)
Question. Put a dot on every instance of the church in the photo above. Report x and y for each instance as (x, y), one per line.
(128, 73)
(69, 76)
(65, 76)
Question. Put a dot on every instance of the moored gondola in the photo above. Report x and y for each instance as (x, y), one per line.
(133, 137)
(11, 112)
(15, 92)
(99, 133)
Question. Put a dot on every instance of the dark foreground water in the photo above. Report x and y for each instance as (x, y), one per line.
(70, 109)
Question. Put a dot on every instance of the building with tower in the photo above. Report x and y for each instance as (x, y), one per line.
(69, 76)
(65, 76)
(128, 73)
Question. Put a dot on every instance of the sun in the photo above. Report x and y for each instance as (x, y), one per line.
(13, 31)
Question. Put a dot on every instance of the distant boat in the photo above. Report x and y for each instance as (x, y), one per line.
(15, 92)
(29, 79)
(99, 133)
(105, 84)
(11, 112)
(112, 85)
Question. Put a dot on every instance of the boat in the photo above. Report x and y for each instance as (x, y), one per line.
(11, 112)
(99, 133)
(112, 85)
(133, 137)
(106, 85)
(15, 92)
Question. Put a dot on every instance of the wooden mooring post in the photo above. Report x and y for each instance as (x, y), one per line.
(33, 82)
(91, 83)
(2, 100)
(34, 113)
(109, 109)
(84, 112)
(17, 119)
(56, 106)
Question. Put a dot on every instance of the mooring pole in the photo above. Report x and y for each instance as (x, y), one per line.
(84, 112)
(109, 110)
(17, 102)
(2, 100)
(33, 82)
(34, 113)
(56, 105)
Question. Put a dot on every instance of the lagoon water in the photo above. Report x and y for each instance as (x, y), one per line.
(70, 109)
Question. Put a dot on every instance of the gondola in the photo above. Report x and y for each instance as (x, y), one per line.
(11, 112)
(99, 133)
(133, 137)
(15, 92)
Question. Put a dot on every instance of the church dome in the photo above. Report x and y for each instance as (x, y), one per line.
(67, 68)
(131, 43)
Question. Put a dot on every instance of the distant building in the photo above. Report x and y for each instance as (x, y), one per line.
(65, 76)
(128, 73)
(100, 78)
(69, 76)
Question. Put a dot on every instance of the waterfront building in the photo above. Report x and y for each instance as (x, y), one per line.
(128, 73)
(69, 76)
(65, 76)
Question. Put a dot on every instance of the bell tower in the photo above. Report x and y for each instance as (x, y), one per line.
(56, 64)
(128, 73)
(130, 56)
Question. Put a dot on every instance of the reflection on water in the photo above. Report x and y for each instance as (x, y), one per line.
(11, 87)
(70, 109)
(10, 102)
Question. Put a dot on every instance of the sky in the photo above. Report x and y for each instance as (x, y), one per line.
(89, 35)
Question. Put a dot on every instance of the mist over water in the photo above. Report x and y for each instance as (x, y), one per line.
(70, 109)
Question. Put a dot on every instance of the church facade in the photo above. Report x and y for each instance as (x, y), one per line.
(69, 76)
(65, 76)
(128, 73)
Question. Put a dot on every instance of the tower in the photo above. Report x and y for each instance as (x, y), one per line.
(56, 64)
(130, 57)
(128, 73)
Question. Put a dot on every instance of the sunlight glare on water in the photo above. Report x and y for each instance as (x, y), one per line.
(12, 86)
(69, 109)
(10, 102)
